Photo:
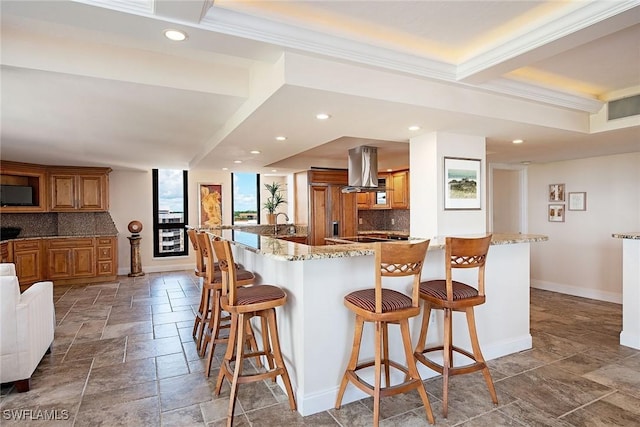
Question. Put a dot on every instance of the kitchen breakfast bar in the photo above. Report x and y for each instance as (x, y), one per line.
(316, 329)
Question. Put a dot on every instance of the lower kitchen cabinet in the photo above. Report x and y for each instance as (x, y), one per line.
(64, 260)
(27, 256)
(71, 258)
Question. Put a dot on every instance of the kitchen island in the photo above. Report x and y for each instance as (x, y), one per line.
(630, 335)
(316, 329)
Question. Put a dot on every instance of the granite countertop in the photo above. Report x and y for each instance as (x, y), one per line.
(290, 251)
(632, 235)
(70, 236)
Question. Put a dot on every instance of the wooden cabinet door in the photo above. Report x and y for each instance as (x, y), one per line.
(348, 215)
(319, 214)
(62, 192)
(59, 263)
(364, 200)
(28, 260)
(83, 261)
(399, 193)
(92, 192)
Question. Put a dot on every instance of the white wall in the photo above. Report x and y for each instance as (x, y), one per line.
(581, 258)
(131, 198)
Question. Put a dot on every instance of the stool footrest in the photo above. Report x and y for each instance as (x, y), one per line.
(453, 370)
(363, 385)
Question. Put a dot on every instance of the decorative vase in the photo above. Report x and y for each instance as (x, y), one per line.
(271, 219)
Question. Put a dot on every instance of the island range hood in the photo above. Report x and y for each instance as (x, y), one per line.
(363, 170)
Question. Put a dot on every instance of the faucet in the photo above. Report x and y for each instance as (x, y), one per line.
(275, 222)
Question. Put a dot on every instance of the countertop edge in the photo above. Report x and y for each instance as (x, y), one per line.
(290, 251)
(73, 236)
(632, 236)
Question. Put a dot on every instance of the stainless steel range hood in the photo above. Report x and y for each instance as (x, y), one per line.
(363, 170)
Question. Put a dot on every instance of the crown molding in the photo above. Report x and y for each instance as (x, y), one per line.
(541, 94)
(580, 17)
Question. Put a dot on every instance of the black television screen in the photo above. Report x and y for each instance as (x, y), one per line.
(16, 195)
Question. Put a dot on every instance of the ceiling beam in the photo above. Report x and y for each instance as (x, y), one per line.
(182, 10)
(586, 22)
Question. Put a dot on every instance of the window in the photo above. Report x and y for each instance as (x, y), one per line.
(170, 212)
(245, 198)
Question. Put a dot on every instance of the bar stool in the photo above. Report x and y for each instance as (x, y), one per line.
(383, 306)
(244, 303)
(200, 263)
(213, 319)
(450, 295)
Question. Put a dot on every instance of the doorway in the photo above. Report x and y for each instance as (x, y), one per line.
(507, 211)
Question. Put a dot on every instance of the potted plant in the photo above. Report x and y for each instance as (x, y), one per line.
(273, 201)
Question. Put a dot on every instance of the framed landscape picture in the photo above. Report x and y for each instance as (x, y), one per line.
(210, 205)
(462, 181)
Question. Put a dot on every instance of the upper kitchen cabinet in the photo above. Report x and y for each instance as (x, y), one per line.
(78, 189)
(399, 194)
(23, 188)
(394, 196)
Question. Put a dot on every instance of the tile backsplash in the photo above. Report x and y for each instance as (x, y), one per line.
(384, 219)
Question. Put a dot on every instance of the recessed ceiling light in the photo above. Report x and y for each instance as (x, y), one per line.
(526, 162)
(322, 116)
(389, 170)
(254, 152)
(281, 138)
(414, 127)
(175, 35)
(225, 169)
(237, 161)
(274, 170)
(518, 141)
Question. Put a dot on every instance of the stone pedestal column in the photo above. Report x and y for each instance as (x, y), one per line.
(136, 264)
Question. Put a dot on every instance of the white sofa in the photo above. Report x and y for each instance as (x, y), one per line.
(26, 327)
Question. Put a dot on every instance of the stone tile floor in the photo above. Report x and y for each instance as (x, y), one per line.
(123, 355)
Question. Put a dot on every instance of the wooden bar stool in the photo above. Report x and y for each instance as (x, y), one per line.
(213, 318)
(243, 303)
(383, 306)
(450, 295)
(200, 263)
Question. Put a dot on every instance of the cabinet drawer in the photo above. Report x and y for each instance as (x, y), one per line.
(26, 245)
(105, 241)
(105, 253)
(70, 243)
(105, 268)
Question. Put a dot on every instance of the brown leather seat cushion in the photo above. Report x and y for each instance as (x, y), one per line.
(391, 300)
(438, 289)
(257, 294)
(240, 275)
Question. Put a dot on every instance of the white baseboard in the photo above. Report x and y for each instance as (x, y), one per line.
(577, 291)
(630, 340)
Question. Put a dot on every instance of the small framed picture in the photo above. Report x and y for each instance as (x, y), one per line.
(556, 193)
(556, 213)
(578, 201)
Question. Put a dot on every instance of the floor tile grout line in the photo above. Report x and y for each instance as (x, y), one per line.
(613, 391)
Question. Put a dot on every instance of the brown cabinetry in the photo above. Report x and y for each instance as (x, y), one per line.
(26, 177)
(71, 258)
(27, 256)
(399, 194)
(6, 252)
(78, 189)
(321, 205)
(394, 196)
(106, 253)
